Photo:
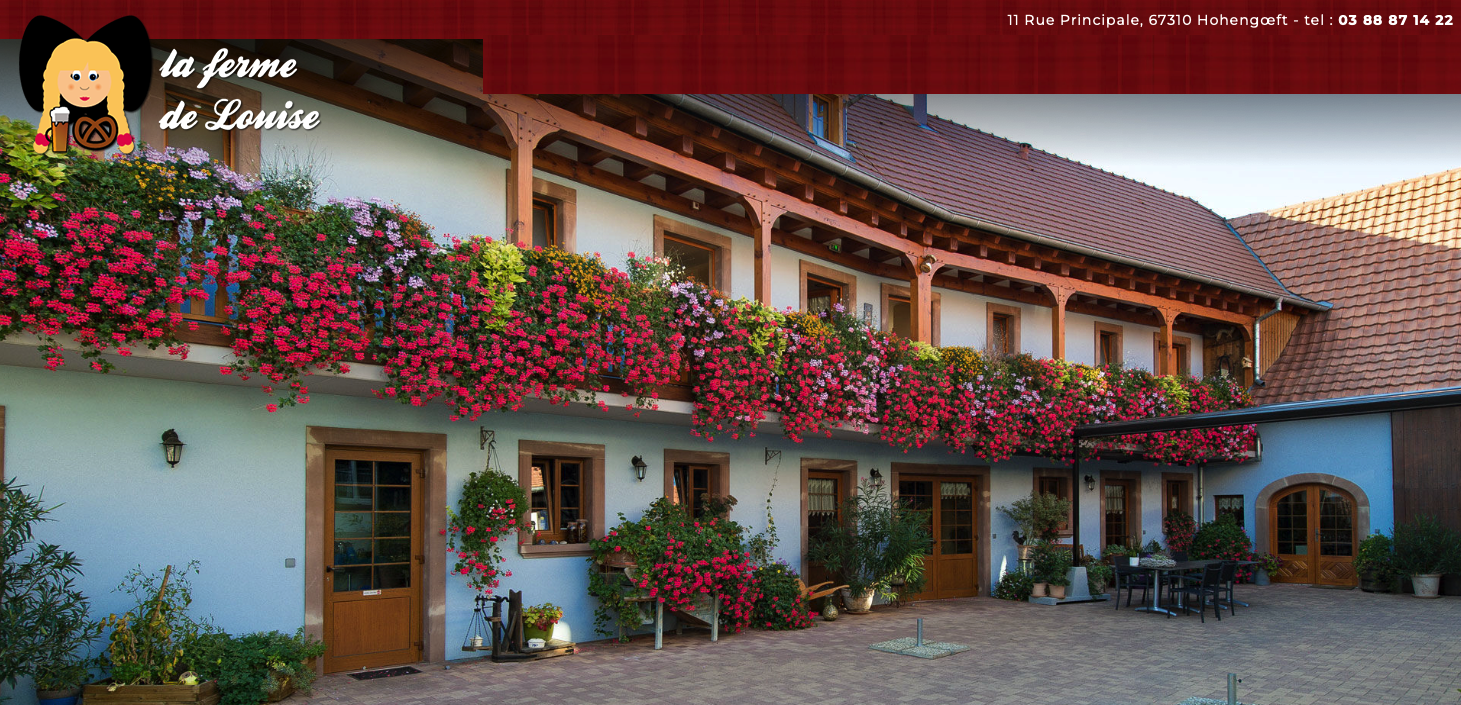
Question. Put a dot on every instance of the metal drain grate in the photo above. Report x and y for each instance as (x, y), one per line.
(383, 673)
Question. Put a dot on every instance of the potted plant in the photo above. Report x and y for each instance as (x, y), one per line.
(44, 617)
(1038, 517)
(1051, 568)
(1098, 576)
(1117, 553)
(1375, 563)
(1268, 564)
(538, 621)
(877, 539)
(1424, 549)
(255, 668)
(1015, 585)
(147, 643)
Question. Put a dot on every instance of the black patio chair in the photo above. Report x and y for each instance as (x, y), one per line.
(1132, 578)
(1227, 581)
(1187, 589)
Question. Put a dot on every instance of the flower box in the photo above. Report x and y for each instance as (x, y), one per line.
(205, 693)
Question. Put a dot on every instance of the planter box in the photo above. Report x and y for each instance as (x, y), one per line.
(201, 694)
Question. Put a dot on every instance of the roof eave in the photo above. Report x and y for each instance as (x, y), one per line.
(731, 121)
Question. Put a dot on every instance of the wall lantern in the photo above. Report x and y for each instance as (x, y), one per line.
(875, 474)
(1090, 483)
(639, 467)
(172, 447)
(927, 265)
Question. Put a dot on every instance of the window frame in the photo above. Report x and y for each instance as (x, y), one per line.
(1217, 510)
(993, 310)
(1183, 350)
(245, 146)
(1185, 501)
(719, 479)
(889, 292)
(1116, 332)
(1061, 477)
(172, 96)
(847, 280)
(684, 232)
(553, 465)
(551, 209)
(834, 120)
(592, 492)
(1132, 480)
(564, 201)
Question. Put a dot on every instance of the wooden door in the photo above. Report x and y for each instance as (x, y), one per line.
(947, 503)
(1118, 520)
(373, 558)
(1314, 533)
(825, 492)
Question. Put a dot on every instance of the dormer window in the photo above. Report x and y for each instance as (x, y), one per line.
(824, 117)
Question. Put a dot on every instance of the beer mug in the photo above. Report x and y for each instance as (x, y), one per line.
(59, 132)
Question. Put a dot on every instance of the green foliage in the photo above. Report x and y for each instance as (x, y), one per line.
(1015, 585)
(251, 666)
(1267, 562)
(1221, 539)
(1039, 516)
(147, 643)
(1118, 551)
(908, 578)
(29, 179)
(779, 603)
(1050, 564)
(542, 617)
(1425, 546)
(486, 518)
(43, 616)
(499, 266)
(1098, 576)
(876, 539)
(762, 546)
(1376, 556)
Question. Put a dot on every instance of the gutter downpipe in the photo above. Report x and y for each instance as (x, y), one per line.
(1258, 343)
(841, 170)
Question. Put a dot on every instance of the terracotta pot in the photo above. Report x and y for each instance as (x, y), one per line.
(1057, 592)
(1427, 585)
(861, 604)
(1038, 590)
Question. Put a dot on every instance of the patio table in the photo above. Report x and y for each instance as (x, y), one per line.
(1155, 606)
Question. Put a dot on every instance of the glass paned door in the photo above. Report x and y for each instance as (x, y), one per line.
(824, 498)
(948, 507)
(373, 558)
(1314, 533)
(1117, 515)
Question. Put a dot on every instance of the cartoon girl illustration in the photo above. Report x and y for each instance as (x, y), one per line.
(82, 87)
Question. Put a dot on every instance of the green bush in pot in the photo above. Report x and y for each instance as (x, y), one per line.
(1375, 563)
(253, 668)
(1424, 549)
(1039, 516)
(877, 540)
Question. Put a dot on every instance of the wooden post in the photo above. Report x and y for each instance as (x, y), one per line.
(1166, 352)
(1057, 321)
(920, 296)
(763, 217)
(523, 135)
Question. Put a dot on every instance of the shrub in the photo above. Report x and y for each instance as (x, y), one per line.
(1015, 585)
(1376, 557)
(43, 616)
(1039, 516)
(876, 539)
(779, 601)
(251, 666)
(148, 642)
(1050, 564)
(1178, 527)
(1424, 546)
(1098, 576)
(1221, 539)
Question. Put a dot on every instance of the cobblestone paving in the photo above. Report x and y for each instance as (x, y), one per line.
(1295, 646)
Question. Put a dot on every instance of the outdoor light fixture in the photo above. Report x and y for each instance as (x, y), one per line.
(927, 265)
(875, 474)
(172, 447)
(1090, 483)
(639, 467)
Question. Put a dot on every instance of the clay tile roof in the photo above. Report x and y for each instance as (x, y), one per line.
(978, 175)
(1389, 259)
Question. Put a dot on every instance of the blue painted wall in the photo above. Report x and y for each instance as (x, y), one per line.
(1356, 448)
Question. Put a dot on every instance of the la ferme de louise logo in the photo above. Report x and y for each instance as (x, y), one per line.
(82, 88)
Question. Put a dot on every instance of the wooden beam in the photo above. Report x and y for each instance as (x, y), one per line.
(636, 126)
(717, 199)
(764, 177)
(679, 186)
(1060, 296)
(592, 157)
(417, 96)
(271, 48)
(348, 72)
(584, 107)
(724, 161)
(638, 172)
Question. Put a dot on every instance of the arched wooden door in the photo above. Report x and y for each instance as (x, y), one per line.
(1313, 531)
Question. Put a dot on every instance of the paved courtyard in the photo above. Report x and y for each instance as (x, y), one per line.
(1295, 646)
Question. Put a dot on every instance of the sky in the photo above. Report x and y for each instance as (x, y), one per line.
(1235, 154)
